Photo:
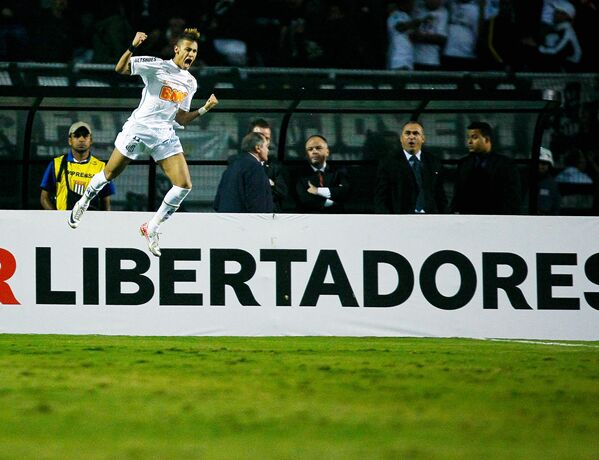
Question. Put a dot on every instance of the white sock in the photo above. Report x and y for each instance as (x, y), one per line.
(172, 200)
(95, 185)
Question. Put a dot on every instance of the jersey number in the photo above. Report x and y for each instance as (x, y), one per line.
(169, 94)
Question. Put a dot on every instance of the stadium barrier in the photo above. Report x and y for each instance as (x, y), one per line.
(272, 275)
(38, 101)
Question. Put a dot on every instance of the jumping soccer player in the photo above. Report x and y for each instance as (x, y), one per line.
(166, 98)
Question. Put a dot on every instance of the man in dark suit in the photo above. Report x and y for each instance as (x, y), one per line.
(410, 181)
(486, 182)
(274, 170)
(244, 186)
(320, 186)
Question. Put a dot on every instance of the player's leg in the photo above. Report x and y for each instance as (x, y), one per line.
(176, 169)
(115, 166)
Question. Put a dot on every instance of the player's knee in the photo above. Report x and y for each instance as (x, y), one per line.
(186, 184)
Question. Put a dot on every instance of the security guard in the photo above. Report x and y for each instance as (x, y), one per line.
(67, 176)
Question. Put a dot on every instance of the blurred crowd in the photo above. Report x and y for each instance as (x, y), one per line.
(512, 35)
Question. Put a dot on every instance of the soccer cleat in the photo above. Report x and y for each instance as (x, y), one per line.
(76, 215)
(152, 239)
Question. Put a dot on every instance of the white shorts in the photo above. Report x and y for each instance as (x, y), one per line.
(134, 141)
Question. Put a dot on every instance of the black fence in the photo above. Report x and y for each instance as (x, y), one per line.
(353, 110)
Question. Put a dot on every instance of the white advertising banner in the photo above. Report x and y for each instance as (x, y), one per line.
(264, 275)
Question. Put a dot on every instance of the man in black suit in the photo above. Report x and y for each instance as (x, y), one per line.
(486, 182)
(410, 181)
(320, 186)
(244, 185)
(274, 170)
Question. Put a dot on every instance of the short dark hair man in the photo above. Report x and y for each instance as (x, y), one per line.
(410, 181)
(67, 176)
(486, 182)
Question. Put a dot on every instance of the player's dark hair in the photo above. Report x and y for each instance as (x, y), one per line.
(189, 34)
(260, 123)
(484, 128)
(251, 141)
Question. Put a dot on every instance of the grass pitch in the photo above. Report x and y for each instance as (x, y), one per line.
(293, 398)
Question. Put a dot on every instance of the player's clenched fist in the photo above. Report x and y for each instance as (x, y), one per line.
(140, 37)
(211, 102)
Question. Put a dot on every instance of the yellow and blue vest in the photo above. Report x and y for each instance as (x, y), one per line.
(78, 176)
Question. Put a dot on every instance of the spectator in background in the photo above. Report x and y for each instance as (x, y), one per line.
(410, 181)
(111, 32)
(587, 18)
(337, 36)
(486, 182)
(264, 41)
(499, 37)
(528, 33)
(465, 17)
(400, 25)
(83, 34)
(320, 186)
(575, 171)
(229, 30)
(549, 197)
(560, 49)
(168, 38)
(575, 184)
(244, 185)
(431, 35)
(369, 17)
(299, 46)
(68, 175)
(53, 30)
(14, 41)
(274, 170)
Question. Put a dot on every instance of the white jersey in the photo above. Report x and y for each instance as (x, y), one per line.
(168, 88)
(400, 53)
(436, 23)
(463, 30)
(563, 39)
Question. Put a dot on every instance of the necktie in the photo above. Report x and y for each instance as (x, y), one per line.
(321, 178)
(417, 168)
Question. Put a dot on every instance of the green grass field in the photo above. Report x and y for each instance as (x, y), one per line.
(293, 398)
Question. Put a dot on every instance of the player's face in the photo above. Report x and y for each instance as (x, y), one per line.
(186, 52)
(80, 141)
(264, 131)
(412, 138)
(477, 143)
(317, 151)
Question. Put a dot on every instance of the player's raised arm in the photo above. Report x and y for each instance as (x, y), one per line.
(184, 117)
(124, 66)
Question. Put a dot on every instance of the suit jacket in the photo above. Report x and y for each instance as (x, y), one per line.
(244, 187)
(275, 172)
(336, 179)
(396, 190)
(493, 187)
